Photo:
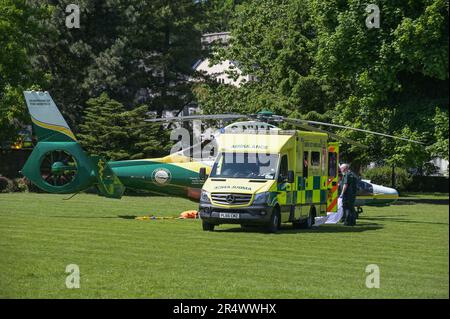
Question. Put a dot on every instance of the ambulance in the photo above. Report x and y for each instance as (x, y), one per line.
(266, 178)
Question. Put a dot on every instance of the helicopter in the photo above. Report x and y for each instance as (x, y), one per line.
(59, 165)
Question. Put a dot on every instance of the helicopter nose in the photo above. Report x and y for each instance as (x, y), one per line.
(386, 193)
(393, 192)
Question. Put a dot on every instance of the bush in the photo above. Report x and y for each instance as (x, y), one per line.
(383, 176)
(3, 183)
(429, 184)
(31, 187)
(6, 185)
(21, 185)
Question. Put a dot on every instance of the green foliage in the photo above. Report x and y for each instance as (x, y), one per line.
(19, 33)
(275, 42)
(21, 185)
(317, 58)
(111, 131)
(12, 112)
(7, 185)
(4, 184)
(138, 52)
(383, 176)
(314, 59)
(217, 14)
(441, 134)
(150, 140)
(388, 79)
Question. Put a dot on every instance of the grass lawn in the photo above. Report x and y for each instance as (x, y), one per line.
(120, 257)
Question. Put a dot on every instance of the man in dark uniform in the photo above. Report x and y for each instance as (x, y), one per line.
(348, 195)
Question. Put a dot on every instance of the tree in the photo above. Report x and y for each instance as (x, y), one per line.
(138, 52)
(440, 147)
(109, 130)
(68, 54)
(18, 42)
(317, 59)
(388, 79)
(275, 42)
(165, 43)
(217, 14)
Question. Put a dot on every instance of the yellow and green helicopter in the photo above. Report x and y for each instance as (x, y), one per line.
(59, 165)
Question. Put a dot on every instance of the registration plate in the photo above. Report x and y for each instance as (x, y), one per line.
(229, 215)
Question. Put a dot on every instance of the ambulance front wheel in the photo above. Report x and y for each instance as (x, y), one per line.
(207, 226)
(275, 221)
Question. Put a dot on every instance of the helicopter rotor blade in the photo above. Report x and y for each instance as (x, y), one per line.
(335, 136)
(350, 128)
(198, 117)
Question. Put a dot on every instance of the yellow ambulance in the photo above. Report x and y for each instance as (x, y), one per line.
(266, 178)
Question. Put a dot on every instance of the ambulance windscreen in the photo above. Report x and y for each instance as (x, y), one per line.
(246, 165)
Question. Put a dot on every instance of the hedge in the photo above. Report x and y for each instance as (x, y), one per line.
(406, 182)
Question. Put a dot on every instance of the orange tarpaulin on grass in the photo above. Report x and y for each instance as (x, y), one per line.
(189, 214)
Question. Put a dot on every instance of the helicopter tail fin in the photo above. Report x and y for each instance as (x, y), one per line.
(58, 163)
(48, 123)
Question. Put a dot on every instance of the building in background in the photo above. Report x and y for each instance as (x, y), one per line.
(221, 71)
(441, 166)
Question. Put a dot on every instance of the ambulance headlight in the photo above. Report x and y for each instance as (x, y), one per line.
(204, 197)
(261, 198)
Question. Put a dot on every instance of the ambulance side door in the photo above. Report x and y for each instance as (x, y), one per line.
(286, 190)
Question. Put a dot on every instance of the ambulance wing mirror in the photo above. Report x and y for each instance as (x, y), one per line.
(291, 177)
(202, 174)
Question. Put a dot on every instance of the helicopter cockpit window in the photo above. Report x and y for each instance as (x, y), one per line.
(365, 188)
(245, 165)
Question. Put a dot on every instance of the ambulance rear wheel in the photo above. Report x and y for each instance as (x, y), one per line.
(309, 222)
(207, 226)
(296, 225)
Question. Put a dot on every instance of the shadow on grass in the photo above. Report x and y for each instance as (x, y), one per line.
(83, 217)
(400, 220)
(413, 201)
(128, 217)
(427, 194)
(97, 217)
(321, 229)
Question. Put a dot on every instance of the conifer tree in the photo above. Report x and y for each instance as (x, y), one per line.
(109, 130)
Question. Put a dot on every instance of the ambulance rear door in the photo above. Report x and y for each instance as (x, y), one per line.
(333, 177)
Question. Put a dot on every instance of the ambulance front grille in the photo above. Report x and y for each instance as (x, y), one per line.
(231, 199)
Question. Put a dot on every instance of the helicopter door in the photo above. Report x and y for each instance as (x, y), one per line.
(333, 177)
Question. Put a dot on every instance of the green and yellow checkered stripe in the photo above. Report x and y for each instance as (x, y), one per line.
(310, 191)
